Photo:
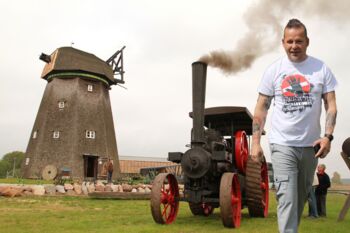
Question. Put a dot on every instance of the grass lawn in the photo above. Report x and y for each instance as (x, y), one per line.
(79, 214)
(23, 181)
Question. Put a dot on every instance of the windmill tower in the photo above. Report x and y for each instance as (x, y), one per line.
(73, 131)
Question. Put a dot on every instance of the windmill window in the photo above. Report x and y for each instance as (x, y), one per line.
(35, 134)
(90, 134)
(61, 104)
(90, 88)
(56, 134)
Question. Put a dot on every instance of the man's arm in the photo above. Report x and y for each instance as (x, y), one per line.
(331, 111)
(259, 119)
(331, 116)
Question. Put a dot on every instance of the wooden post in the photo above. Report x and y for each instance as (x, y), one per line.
(347, 202)
(345, 209)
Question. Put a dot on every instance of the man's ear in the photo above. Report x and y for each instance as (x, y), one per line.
(307, 41)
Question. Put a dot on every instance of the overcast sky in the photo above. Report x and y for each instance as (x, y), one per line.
(162, 39)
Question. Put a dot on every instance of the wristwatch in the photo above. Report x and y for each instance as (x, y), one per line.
(329, 136)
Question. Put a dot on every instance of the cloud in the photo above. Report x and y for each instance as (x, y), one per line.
(264, 21)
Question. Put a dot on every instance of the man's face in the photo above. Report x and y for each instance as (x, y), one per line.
(320, 169)
(295, 44)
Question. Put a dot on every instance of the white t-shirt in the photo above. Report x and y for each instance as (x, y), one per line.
(297, 89)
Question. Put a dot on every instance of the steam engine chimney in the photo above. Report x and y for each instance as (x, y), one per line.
(196, 161)
(199, 77)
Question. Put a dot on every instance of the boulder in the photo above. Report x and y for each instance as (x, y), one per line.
(10, 191)
(77, 189)
(115, 188)
(141, 190)
(68, 186)
(127, 187)
(2, 189)
(27, 193)
(50, 189)
(84, 188)
(38, 190)
(99, 182)
(27, 189)
(108, 188)
(60, 189)
(91, 187)
(134, 190)
(99, 188)
(147, 190)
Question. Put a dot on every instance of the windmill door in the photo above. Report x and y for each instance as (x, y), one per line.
(90, 166)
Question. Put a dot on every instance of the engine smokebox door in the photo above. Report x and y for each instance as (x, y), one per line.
(196, 162)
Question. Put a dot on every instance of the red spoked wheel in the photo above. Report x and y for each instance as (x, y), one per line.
(230, 200)
(241, 150)
(257, 188)
(164, 198)
(203, 208)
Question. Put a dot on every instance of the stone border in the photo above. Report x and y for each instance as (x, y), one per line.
(75, 189)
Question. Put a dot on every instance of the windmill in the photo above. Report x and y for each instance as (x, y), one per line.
(74, 132)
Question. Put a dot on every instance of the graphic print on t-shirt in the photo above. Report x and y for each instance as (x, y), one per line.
(296, 93)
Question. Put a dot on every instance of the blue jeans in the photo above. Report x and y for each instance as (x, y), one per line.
(294, 169)
(109, 177)
(312, 203)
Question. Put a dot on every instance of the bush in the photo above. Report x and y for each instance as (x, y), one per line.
(7, 162)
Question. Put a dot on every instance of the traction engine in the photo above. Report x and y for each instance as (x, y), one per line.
(218, 171)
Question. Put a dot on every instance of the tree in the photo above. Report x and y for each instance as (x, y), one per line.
(11, 162)
(336, 178)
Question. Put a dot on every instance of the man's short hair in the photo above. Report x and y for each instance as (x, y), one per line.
(322, 165)
(296, 23)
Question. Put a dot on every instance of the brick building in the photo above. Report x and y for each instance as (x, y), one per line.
(133, 164)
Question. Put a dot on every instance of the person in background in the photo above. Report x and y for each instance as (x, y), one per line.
(313, 213)
(109, 170)
(321, 190)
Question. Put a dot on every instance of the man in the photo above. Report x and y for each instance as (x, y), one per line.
(109, 170)
(297, 83)
(321, 190)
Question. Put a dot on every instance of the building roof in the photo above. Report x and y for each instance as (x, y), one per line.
(141, 158)
(227, 118)
(69, 59)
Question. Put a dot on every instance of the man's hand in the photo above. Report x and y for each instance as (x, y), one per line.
(325, 147)
(257, 153)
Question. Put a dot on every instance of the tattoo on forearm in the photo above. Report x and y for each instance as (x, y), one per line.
(267, 103)
(331, 120)
(256, 127)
